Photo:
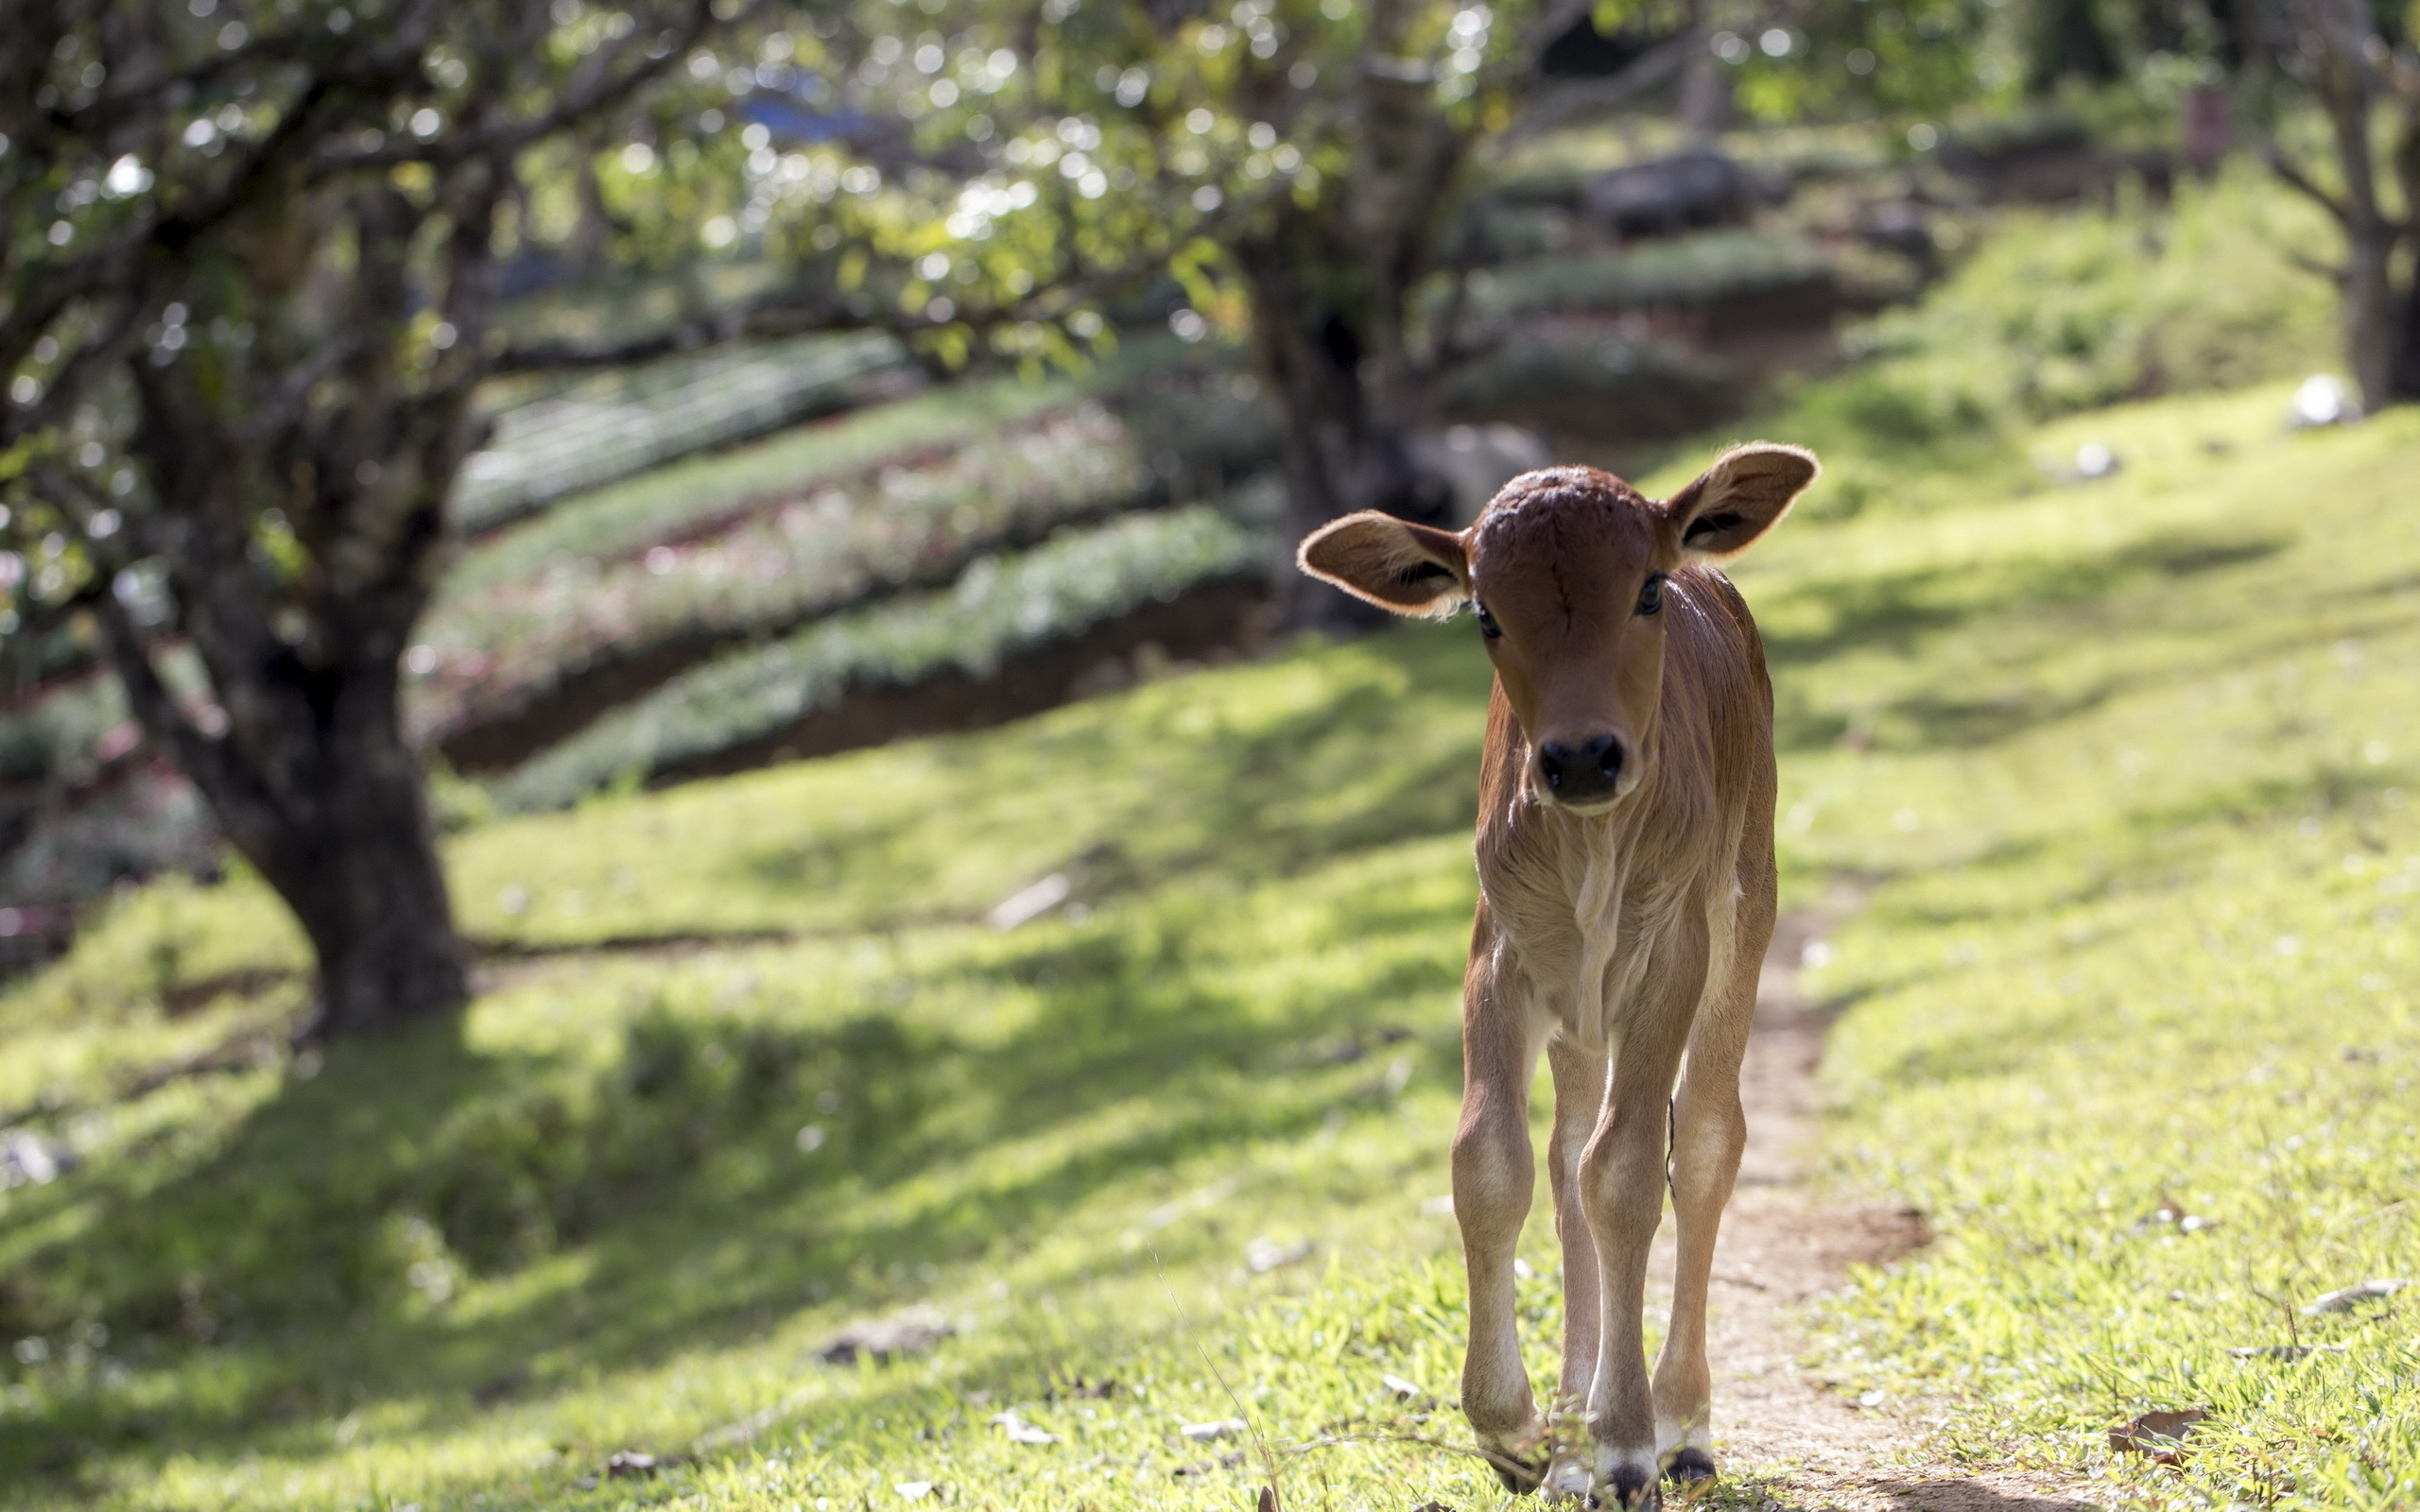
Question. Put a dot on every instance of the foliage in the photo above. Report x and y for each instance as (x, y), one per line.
(999, 607)
(2051, 312)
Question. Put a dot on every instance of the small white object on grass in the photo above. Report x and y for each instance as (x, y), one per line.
(1212, 1432)
(1028, 903)
(2350, 1297)
(914, 1491)
(2321, 400)
(1264, 1255)
(1019, 1431)
(2095, 460)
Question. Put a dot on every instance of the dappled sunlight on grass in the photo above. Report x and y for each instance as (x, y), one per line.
(749, 1064)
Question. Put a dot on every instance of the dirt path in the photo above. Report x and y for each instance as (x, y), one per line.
(1804, 1446)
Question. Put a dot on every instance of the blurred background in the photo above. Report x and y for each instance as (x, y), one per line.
(657, 743)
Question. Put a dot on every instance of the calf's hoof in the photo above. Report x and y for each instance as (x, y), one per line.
(1630, 1487)
(1690, 1467)
(1520, 1473)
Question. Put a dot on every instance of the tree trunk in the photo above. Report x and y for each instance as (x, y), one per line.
(310, 778)
(2403, 373)
(2374, 315)
(1333, 285)
(1347, 443)
(2341, 74)
(298, 556)
(360, 869)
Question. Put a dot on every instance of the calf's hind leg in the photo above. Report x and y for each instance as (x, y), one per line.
(1622, 1176)
(1580, 1077)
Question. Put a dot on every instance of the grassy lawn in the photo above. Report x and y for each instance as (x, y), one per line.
(2128, 768)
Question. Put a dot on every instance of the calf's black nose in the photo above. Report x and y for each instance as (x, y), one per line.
(1586, 773)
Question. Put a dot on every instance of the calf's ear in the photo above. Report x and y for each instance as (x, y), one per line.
(1743, 496)
(1392, 564)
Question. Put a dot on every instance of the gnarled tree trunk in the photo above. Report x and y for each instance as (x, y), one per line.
(301, 530)
(1347, 438)
(309, 775)
(1334, 325)
(2342, 47)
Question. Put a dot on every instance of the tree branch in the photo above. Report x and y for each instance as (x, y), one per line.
(1565, 103)
(504, 140)
(2334, 272)
(148, 697)
(2296, 179)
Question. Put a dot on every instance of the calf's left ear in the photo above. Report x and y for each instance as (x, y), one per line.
(1743, 496)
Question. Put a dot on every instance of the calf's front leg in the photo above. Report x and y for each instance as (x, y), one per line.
(1494, 1178)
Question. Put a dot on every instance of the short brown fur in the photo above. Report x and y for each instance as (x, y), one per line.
(1627, 896)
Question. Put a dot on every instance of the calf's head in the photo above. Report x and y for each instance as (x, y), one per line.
(1566, 570)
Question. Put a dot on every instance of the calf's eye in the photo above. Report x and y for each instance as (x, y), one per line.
(1487, 625)
(1650, 597)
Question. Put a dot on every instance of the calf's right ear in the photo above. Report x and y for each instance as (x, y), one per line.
(1392, 564)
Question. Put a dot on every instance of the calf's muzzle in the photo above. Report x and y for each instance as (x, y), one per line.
(1583, 773)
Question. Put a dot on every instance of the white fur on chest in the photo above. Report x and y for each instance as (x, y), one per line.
(1579, 924)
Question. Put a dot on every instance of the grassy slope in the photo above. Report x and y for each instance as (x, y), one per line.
(2118, 704)
(2103, 749)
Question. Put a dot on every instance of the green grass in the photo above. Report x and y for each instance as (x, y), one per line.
(2097, 750)
(1692, 270)
(2085, 729)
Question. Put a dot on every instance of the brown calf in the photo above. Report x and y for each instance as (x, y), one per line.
(1626, 899)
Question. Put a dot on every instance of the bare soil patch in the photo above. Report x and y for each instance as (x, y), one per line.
(1785, 1440)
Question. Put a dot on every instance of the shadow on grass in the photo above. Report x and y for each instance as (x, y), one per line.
(1899, 612)
(652, 1193)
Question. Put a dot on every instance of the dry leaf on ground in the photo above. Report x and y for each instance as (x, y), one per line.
(2157, 1436)
(912, 1332)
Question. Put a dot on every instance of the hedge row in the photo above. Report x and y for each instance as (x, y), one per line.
(1001, 606)
(611, 427)
(1684, 270)
(701, 492)
(500, 649)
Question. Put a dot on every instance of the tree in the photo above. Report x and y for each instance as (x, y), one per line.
(2353, 73)
(1290, 162)
(252, 250)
